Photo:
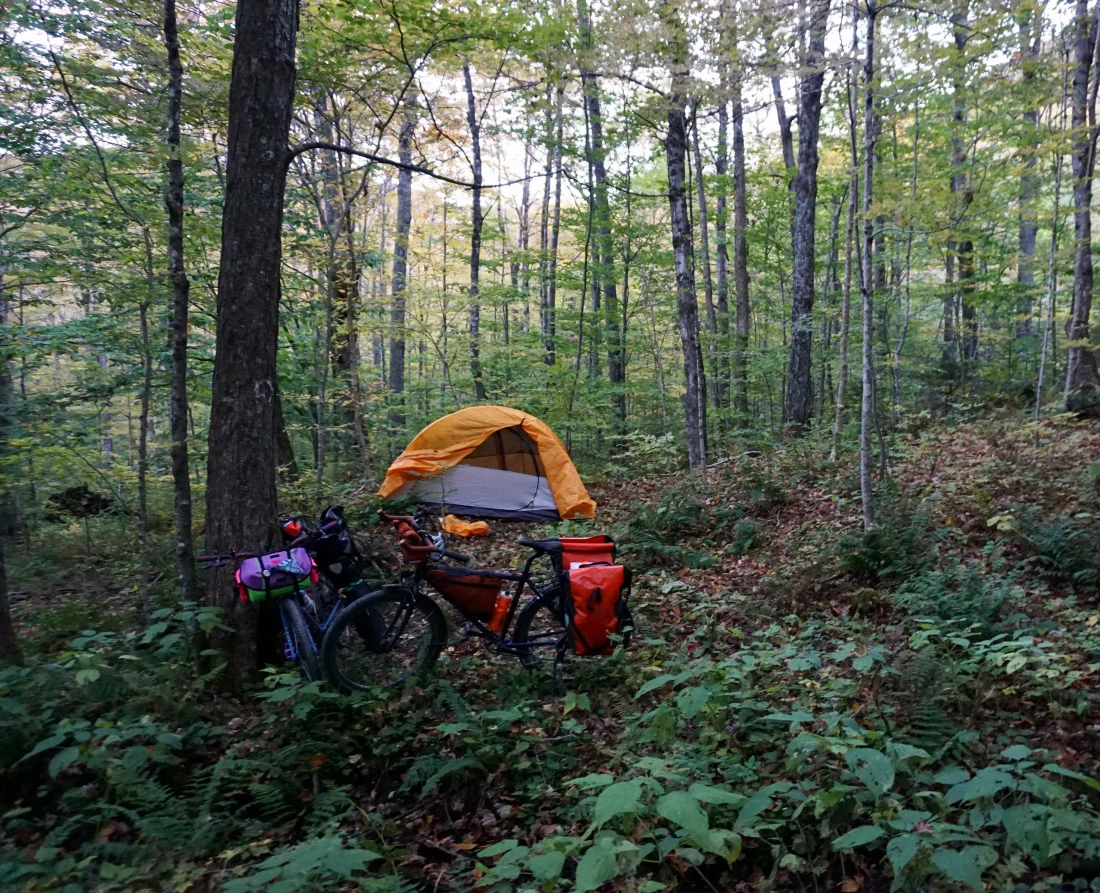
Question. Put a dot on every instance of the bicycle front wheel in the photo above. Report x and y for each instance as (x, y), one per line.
(309, 662)
(382, 639)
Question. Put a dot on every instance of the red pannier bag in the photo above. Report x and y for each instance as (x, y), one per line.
(577, 551)
(595, 604)
(476, 593)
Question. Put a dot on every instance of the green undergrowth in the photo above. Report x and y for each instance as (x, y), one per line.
(810, 708)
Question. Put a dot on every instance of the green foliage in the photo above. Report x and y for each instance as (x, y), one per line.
(654, 534)
(316, 864)
(897, 548)
(1068, 550)
(970, 593)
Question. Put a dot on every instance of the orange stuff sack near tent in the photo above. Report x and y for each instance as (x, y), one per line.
(458, 527)
(595, 602)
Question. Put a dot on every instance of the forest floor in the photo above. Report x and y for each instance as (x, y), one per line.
(803, 706)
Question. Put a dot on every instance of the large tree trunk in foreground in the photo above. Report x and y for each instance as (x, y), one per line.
(241, 499)
(1081, 374)
(178, 404)
(676, 148)
(400, 279)
(799, 390)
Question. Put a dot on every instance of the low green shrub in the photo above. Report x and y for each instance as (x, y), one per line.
(897, 548)
(1066, 550)
(966, 592)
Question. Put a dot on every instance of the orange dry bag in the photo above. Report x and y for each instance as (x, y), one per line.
(594, 604)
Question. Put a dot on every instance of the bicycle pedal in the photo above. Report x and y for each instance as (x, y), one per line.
(469, 632)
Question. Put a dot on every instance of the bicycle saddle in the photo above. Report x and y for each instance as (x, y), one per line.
(550, 544)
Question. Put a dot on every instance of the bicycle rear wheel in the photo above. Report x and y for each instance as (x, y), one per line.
(413, 633)
(540, 627)
(309, 662)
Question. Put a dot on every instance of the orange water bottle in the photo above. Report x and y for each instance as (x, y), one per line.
(500, 613)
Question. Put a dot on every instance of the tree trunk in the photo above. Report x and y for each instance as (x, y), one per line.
(143, 428)
(604, 269)
(908, 261)
(544, 235)
(721, 168)
(1052, 266)
(1031, 30)
(400, 279)
(740, 255)
(964, 247)
(525, 228)
(786, 138)
(10, 651)
(832, 284)
(1082, 383)
(799, 390)
(867, 409)
(708, 281)
(178, 403)
(476, 221)
(241, 498)
(676, 148)
(845, 314)
(555, 232)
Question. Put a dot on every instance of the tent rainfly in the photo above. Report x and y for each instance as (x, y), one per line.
(491, 462)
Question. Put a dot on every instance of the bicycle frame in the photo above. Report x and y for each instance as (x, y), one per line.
(311, 624)
(501, 641)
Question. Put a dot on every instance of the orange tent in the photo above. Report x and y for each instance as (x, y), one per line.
(491, 462)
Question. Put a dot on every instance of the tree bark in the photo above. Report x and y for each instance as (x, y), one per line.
(555, 231)
(178, 403)
(604, 271)
(241, 498)
(900, 346)
(1030, 26)
(740, 254)
(477, 220)
(963, 247)
(786, 137)
(721, 251)
(1052, 266)
(867, 409)
(1082, 383)
(400, 278)
(544, 234)
(845, 314)
(10, 652)
(676, 148)
(799, 391)
(708, 281)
